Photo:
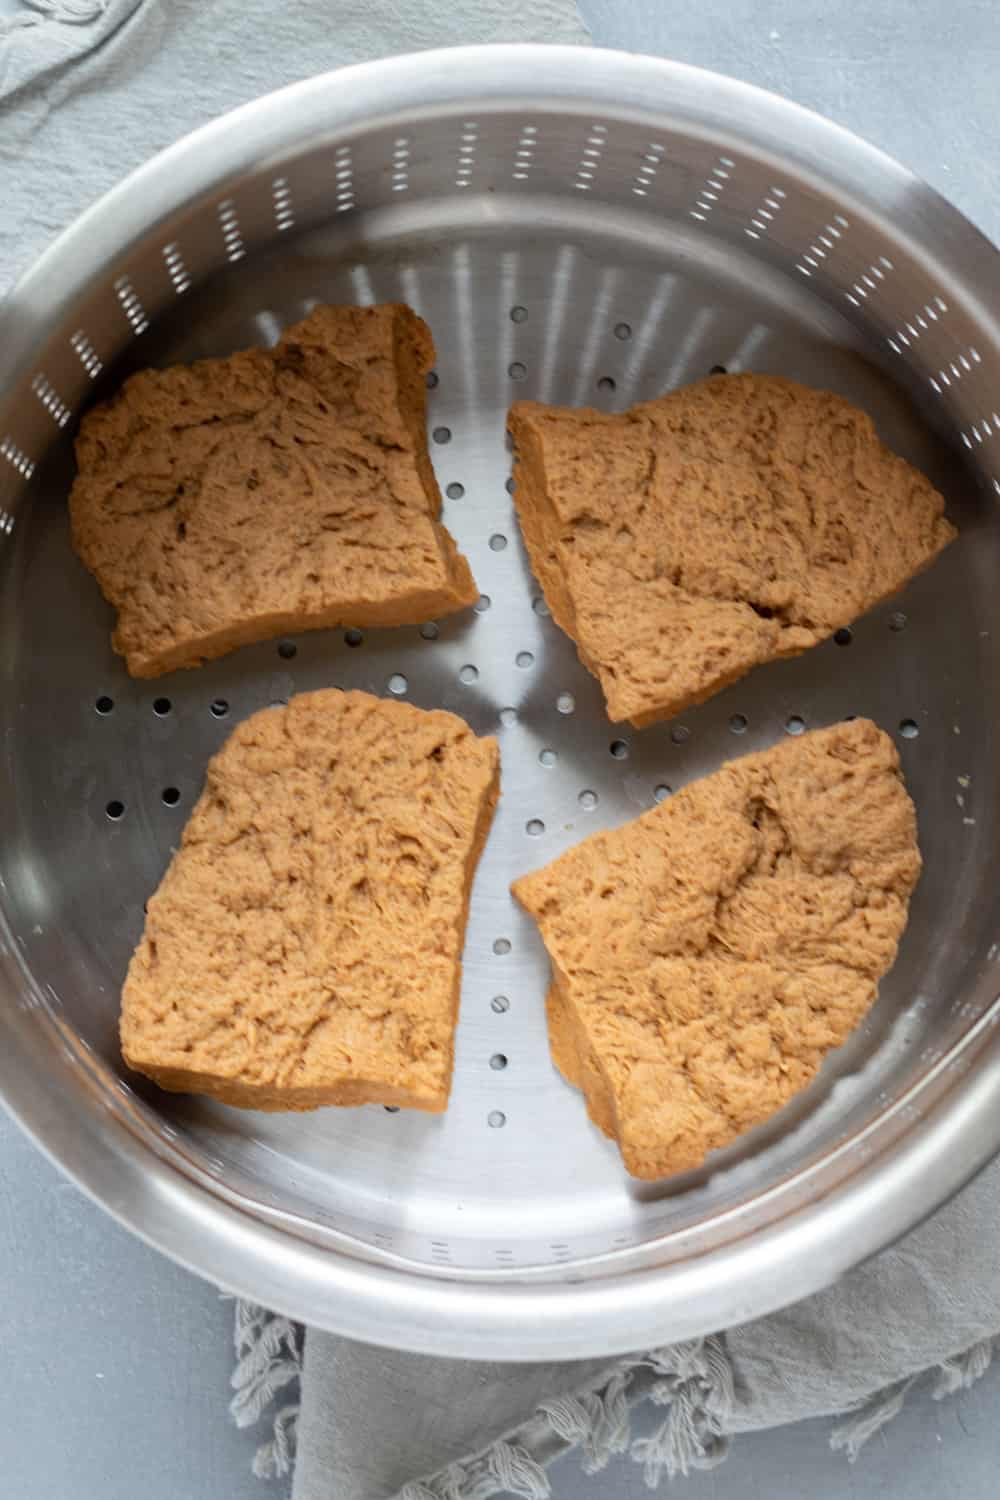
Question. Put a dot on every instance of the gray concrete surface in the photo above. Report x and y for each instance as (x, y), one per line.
(113, 1381)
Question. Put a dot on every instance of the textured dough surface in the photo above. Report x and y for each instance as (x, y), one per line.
(273, 491)
(732, 522)
(304, 947)
(707, 956)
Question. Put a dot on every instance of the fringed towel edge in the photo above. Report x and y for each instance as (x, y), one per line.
(876, 1412)
(693, 1380)
(268, 1359)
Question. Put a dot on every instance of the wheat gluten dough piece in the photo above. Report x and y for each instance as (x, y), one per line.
(707, 956)
(274, 491)
(738, 520)
(304, 947)
(576, 1060)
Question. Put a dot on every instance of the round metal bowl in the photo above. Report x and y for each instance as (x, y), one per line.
(579, 227)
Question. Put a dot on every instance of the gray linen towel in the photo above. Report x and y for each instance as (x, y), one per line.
(88, 90)
(373, 1422)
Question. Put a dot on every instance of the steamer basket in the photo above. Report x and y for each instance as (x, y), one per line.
(579, 227)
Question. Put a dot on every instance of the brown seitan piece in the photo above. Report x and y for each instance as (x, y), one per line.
(707, 956)
(277, 490)
(304, 947)
(738, 520)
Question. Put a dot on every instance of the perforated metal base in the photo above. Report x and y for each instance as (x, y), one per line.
(110, 768)
(574, 255)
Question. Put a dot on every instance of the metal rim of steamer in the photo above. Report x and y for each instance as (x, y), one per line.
(915, 1163)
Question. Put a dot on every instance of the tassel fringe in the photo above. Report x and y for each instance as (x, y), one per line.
(692, 1381)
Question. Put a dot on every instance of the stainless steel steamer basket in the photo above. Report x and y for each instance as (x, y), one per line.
(581, 227)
